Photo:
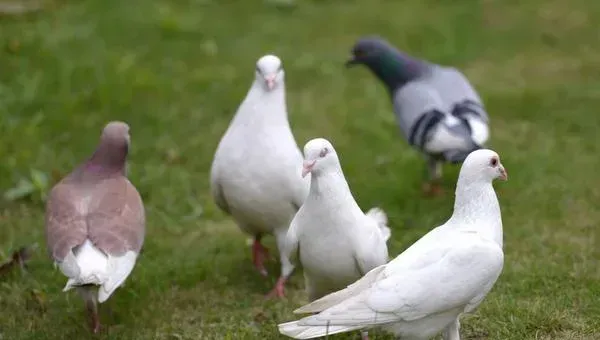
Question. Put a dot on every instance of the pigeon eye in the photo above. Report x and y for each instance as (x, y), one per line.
(494, 162)
(360, 53)
(323, 152)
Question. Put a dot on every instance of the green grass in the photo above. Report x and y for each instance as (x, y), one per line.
(176, 72)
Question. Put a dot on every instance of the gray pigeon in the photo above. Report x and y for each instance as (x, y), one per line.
(95, 222)
(256, 171)
(437, 109)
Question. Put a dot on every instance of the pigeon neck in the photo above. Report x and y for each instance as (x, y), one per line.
(277, 93)
(476, 205)
(329, 187)
(269, 103)
(396, 69)
(108, 159)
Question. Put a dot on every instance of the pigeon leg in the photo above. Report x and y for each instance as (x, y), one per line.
(95, 318)
(451, 332)
(90, 296)
(259, 254)
(279, 289)
(433, 187)
(287, 268)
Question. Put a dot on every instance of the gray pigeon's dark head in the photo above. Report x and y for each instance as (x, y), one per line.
(369, 50)
(393, 67)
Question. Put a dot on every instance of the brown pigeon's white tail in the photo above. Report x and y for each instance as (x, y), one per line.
(379, 216)
(294, 330)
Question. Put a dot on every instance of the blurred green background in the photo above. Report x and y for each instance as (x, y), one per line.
(176, 72)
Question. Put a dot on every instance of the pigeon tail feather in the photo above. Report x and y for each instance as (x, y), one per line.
(92, 264)
(294, 330)
(379, 216)
(457, 156)
(119, 269)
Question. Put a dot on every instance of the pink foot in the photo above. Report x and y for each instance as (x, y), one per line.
(279, 289)
(365, 335)
(259, 255)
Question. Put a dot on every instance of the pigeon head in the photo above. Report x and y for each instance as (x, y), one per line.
(269, 71)
(369, 50)
(319, 156)
(482, 165)
(111, 153)
(116, 133)
(393, 67)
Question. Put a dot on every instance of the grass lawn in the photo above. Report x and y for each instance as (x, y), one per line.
(176, 72)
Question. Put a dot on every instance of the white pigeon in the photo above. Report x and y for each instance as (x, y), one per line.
(334, 240)
(424, 290)
(255, 175)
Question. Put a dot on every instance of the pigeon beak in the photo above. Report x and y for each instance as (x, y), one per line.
(503, 174)
(351, 62)
(307, 167)
(270, 80)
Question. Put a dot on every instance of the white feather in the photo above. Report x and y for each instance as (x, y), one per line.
(480, 131)
(380, 217)
(256, 171)
(424, 290)
(293, 330)
(119, 268)
(338, 242)
(442, 140)
(92, 266)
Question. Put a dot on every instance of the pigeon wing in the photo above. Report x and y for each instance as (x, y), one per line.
(370, 247)
(216, 189)
(418, 107)
(117, 218)
(65, 225)
(413, 294)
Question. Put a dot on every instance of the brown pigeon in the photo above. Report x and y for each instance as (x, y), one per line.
(95, 222)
